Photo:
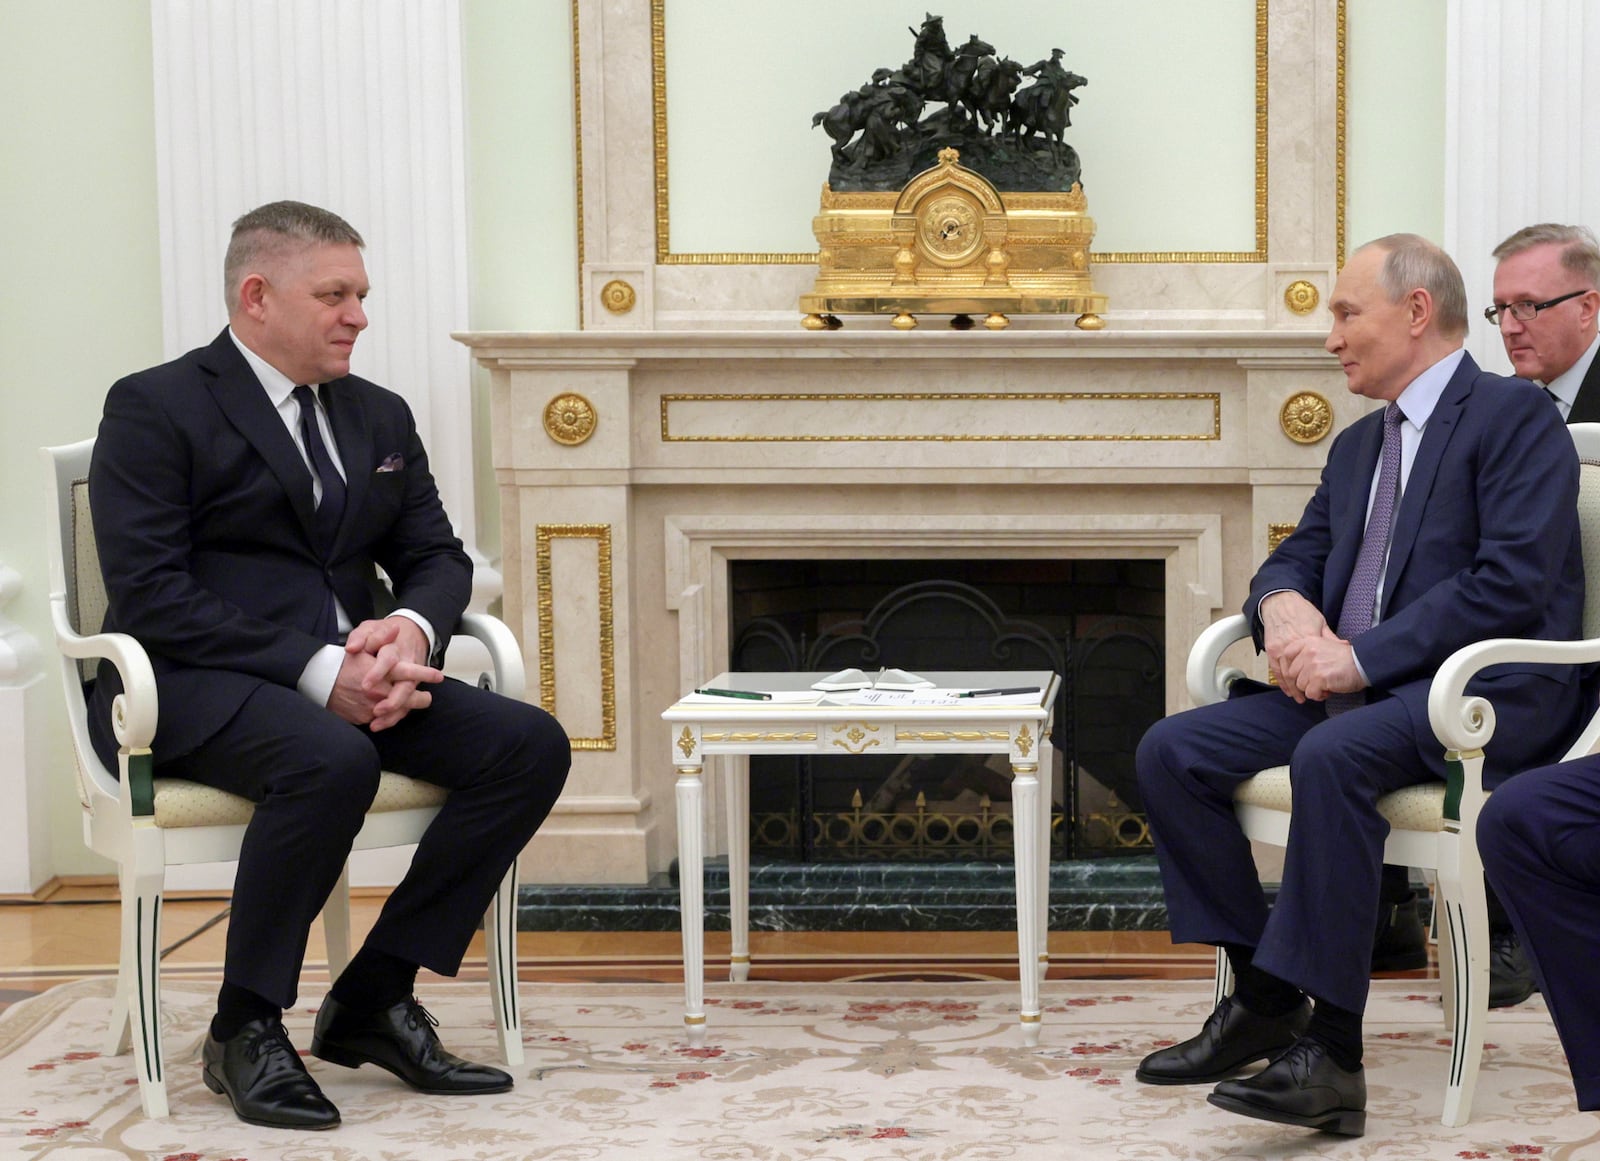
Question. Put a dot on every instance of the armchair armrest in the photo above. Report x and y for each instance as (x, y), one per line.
(1208, 682)
(1465, 724)
(505, 655)
(133, 716)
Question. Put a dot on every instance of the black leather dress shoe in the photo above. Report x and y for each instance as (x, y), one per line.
(1232, 1038)
(1302, 1086)
(1400, 943)
(1510, 974)
(264, 1078)
(402, 1040)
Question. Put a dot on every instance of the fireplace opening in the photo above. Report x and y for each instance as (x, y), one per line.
(1100, 624)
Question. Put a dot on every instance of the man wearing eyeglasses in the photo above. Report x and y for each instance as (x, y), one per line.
(1546, 305)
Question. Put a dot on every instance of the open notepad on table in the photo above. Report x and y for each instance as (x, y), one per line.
(849, 679)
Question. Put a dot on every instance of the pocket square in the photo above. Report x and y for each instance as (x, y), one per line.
(394, 462)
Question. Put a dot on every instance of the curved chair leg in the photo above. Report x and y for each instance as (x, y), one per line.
(1466, 925)
(336, 925)
(139, 974)
(500, 947)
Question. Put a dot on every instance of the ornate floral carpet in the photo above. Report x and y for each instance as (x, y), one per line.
(931, 1071)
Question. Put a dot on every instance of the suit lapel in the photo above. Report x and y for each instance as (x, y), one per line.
(244, 401)
(1586, 407)
(347, 417)
(1424, 467)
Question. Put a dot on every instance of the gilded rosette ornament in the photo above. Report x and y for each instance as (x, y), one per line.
(950, 243)
(569, 419)
(1300, 296)
(618, 297)
(1306, 417)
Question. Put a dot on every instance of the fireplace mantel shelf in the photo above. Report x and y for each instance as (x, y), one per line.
(512, 348)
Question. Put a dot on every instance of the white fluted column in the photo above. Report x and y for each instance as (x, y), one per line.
(1520, 122)
(356, 106)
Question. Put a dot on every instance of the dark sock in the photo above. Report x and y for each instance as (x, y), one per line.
(1339, 1030)
(375, 980)
(236, 1007)
(1394, 885)
(1264, 994)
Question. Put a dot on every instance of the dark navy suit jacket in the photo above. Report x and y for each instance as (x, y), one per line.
(203, 516)
(1486, 544)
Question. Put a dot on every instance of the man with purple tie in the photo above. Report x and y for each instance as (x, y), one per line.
(1427, 532)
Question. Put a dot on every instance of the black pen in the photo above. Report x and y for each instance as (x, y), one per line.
(751, 694)
(998, 692)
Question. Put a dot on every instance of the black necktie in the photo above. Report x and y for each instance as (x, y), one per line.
(331, 508)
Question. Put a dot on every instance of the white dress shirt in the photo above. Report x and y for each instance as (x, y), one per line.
(322, 671)
(1565, 386)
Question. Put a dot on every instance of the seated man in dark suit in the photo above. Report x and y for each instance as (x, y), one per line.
(243, 496)
(1426, 532)
(1540, 839)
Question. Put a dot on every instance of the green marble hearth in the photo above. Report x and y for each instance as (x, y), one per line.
(1111, 894)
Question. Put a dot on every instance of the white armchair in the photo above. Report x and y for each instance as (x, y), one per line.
(146, 824)
(1434, 826)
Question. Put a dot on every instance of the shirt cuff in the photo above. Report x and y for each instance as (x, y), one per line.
(421, 623)
(321, 672)
(1366, 681)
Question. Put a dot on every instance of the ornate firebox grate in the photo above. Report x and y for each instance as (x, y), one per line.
(1099, 624)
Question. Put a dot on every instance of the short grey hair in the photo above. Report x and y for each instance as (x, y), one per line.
(1580, 252)
(272, 232)
(1411, 262)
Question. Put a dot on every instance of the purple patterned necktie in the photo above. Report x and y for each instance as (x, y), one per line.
(1361, 594)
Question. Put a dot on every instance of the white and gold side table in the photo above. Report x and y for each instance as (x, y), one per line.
(710, 727)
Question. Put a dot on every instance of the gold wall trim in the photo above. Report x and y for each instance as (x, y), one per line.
(577, 145)
(1339, 138)
(665, 256)
(1213, 397)
(544, 534)
(1277, 534)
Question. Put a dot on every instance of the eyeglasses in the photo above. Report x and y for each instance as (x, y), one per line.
(1524, 311)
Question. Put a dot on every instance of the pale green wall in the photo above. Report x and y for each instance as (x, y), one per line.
(521, 188)
(80, 288)
(1394, 121)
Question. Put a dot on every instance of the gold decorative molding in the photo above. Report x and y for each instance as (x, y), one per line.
(1277, 534)
(685, 742)
(577, 148)
(1301, 296)
(1306, 417)
(570, 419)
(665, 256)
(856, 737)
(1213, 397)
(762, 736)
(618, 297)
(952, 736)
(1024, 741)
(1339, 137)
(544, 534)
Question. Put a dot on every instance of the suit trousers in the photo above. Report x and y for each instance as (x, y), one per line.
(1540, 839)
(1319, 934)
(312, 777)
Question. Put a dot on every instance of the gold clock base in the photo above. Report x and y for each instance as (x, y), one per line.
(949, 243)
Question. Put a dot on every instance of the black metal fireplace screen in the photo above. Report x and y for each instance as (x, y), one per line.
(1098, 623)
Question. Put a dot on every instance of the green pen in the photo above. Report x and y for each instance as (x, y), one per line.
(749, 694)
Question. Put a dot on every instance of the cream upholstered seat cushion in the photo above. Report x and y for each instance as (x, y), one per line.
(182, 803)
(1418, 807)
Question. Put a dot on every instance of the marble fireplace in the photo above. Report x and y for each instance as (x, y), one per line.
(633, 467)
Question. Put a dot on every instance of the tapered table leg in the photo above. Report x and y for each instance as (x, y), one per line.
(1025, 827)
(691, 900)
(738, 784)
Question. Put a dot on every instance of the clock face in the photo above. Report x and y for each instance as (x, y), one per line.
(950, 229)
